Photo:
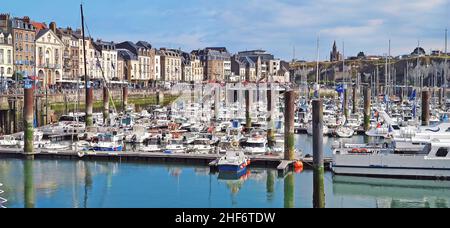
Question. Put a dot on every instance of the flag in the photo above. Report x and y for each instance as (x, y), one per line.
(413, 95)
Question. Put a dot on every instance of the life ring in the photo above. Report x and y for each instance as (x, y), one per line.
(364, 150)
(355, 150)
(235, 144)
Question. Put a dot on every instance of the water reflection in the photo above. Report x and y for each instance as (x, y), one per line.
(270, 184)
(391, 193)
(66, 183)
(29, 188)
(289, 190)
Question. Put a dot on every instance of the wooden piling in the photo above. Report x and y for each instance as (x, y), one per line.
(28, 118)
(318, 163)
(124, 98)
(346, 112)
(425, 108)
(248, 104)
(270, 118)
(355, 99)
(289, 129)
(217, 101)
(367, 108)
(105, 105)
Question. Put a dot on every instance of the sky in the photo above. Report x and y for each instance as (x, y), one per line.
(273, 25)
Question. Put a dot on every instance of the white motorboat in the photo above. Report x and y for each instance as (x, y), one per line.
(8, 141)
(151, 148)
(233, 162)
(107, 142)
(257, 144)
(56, 146)
(345, 132)
(430, 161)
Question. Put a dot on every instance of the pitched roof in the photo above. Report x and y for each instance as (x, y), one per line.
(126, 54)
(39, 25)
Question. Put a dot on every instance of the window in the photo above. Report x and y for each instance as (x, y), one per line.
(9, 56)
(1, 56)
(442, 152)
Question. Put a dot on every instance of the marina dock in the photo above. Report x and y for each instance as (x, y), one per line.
(210, 160)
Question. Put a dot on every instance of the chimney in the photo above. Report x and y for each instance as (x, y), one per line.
(26, 19)
(53, 26)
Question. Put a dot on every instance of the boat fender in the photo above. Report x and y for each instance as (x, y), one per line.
(81, 154)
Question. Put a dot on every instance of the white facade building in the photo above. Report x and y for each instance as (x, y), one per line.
(49, 57)
(6, 55)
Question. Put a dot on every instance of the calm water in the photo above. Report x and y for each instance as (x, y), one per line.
(67, 183)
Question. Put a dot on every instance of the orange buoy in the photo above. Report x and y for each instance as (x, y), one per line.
(298, 165)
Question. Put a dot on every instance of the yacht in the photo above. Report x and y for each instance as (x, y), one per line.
(257, 144)
(107, 142)
(431, 160)
(8, 141)
(345, 132)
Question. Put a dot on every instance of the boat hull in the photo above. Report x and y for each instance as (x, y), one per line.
(232, 168)
(395, 166)
(108, 149)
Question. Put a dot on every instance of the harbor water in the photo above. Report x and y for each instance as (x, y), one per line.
(93, 184)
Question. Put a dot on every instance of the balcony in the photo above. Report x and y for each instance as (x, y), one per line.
(50, 66)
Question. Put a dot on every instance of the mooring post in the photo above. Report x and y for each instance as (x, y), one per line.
(105, 105)
(28, 118)
(355, 99)
(217, 102)
(289, 112)
(346, 101)
(89, 105)
(318, 164)
(248, 104)
(425, 108)
(270, 118)
(124, 98)
(367, 108)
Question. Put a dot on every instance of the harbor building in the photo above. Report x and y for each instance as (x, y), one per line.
(49, 52)
(70, 55)
(170, 65)
(6, 55)
(143, 51)
(216, 62)
(129, 65)
(23, 33)
(106, 60)
(90, 54)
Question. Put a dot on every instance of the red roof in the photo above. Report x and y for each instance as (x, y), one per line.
(38, 25)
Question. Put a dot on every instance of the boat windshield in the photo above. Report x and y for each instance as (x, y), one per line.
(253, 145)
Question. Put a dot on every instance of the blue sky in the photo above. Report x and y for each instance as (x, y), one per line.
(274, 25)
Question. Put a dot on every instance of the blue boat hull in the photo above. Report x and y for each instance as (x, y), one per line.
(119, 148)
(232, 168)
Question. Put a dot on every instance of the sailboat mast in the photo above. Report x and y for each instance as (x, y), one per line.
(89, 108)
